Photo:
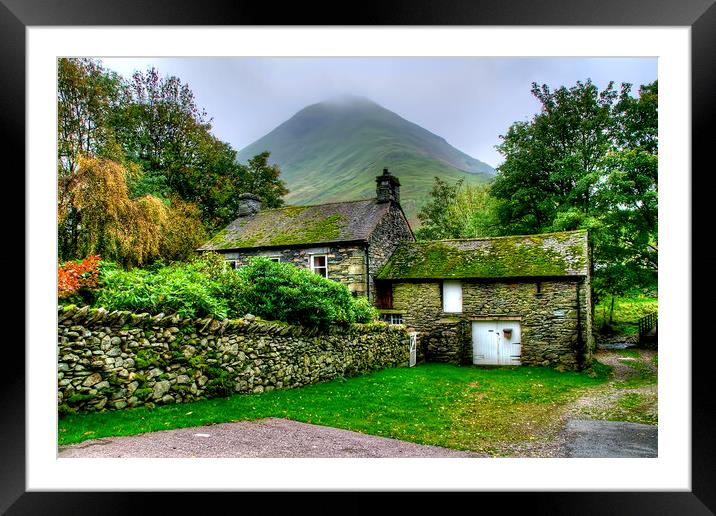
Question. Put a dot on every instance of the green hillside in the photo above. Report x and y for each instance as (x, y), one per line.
(333, 150)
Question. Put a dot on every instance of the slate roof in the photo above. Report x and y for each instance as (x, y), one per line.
(301, 225)
(542, 255)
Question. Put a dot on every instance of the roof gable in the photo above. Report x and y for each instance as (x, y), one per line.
(301, 225)
(542, 255)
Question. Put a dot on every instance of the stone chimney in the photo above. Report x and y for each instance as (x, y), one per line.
(249, 204)
(388, 188)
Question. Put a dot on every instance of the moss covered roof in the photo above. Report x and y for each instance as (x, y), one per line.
(301, 225)
(543, 255)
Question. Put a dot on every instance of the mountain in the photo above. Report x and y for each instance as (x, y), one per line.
(332, 151)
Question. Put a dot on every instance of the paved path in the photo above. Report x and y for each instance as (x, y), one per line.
(263, 438)
(615, 439)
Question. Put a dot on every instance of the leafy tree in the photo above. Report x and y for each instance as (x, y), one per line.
(434, 215)
(87, 97)
(589, 160)
(161, 127)
(626, 240)
(139, 170)
(458, 211)
(96, 215)
(553, 162)
(262, 179)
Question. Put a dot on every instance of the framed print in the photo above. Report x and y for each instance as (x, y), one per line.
(678, 35)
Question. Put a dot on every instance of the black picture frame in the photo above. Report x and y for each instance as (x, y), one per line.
(699, 15)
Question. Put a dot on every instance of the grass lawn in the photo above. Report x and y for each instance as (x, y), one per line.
(466, 408)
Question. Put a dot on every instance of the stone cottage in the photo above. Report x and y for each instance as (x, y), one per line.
(344, 241)
(491, 301)
(494, 301)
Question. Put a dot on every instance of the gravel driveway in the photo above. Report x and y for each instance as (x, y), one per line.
(263, 438)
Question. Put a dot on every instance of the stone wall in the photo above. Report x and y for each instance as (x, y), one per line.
(551, 335)
(346, 264)
(115, 360)
(391, 230)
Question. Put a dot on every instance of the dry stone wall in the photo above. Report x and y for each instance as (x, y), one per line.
(112, 360)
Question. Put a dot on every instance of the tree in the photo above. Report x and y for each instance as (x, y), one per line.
(161, 129)
(626, 242)
(434, 215)
(87, 97)
(139, 171)
(262, 179)
(96, 215)
(458, 211)
(552, 163)
(588, 160)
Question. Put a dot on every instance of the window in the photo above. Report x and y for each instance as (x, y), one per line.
(392, 318)
(274, 258)
(452, 296)
(319, 264)
(231, 264)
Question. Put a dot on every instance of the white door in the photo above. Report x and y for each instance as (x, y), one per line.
(496, 342)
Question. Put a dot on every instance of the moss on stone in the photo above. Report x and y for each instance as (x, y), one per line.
(546, 255)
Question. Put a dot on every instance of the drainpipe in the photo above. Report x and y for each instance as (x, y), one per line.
(367, 273)
(580, 337)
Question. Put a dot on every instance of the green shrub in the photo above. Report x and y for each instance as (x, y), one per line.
(204, 287)
(180, 288)
(281, 291)
(364, 310)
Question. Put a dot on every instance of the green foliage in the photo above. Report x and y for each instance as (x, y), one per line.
(624, 319)
(458, 211)
(140, 174)
(281, 291)
(205, 287)
(588, 160)
(147, 358)
(220, 383)
(181, 289)
(143, 393)
(364, 311)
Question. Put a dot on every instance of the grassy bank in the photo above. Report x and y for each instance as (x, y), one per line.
(627, 312)
(466, 408)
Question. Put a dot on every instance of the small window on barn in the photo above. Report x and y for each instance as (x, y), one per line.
(392, 318)
(276, 258)
(452, 296)
(319, 264)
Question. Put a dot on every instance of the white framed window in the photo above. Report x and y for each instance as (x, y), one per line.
(275, 258)
(319, 264)
(392, 318)
(452, 296)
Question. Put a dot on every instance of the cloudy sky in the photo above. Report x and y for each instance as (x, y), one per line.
(467, 101)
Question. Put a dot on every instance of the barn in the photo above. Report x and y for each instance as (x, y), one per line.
(517, 300)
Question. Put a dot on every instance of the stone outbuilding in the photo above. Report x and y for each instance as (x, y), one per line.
(344, 241)
(494, 301)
